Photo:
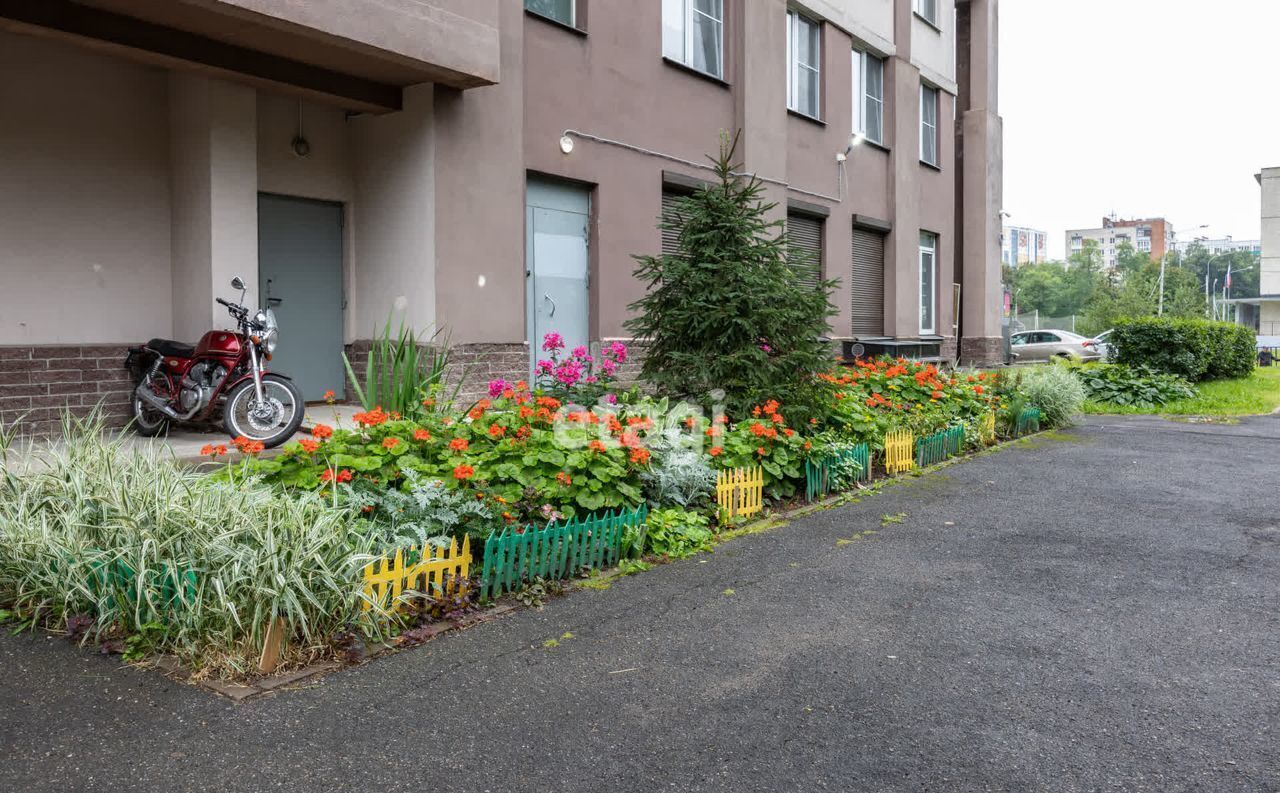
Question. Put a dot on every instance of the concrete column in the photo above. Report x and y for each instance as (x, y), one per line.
(213, 181)
(760, 93)
(981, 159)
(902, 253)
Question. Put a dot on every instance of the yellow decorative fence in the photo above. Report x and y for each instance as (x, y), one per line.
(740, 492)
(386, 579)
(987, 428)
(898, 451)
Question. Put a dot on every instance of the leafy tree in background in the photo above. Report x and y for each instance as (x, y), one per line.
(727, 310)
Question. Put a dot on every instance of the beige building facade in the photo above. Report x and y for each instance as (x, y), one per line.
(474, 166)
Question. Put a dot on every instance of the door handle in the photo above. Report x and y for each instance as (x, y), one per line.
(547, 296)
(274, 301)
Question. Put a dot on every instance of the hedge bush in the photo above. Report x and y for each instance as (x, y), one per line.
(1194, 349)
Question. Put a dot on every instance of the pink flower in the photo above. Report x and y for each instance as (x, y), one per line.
(496, 387)
(619, 351)
(569, 372)
(580, 351)
(608, 367)
(592, 379)
(612, 399)
(545, 367)
(552, 341)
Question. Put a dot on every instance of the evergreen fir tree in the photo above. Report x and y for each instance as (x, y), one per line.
(729, 310)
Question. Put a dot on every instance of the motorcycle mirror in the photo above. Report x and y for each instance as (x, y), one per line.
(237, 283)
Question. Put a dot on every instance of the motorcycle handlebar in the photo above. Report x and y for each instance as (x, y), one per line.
(223, 302)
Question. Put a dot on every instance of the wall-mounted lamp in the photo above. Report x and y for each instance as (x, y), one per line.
(856, 139)
(566, 144)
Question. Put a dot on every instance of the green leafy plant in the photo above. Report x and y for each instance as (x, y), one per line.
(681, 477)
(678, 533)
(1194, 349)
(536, 592)
(1056, 391)
(727, 311)
(1139, 386)
(401, 370)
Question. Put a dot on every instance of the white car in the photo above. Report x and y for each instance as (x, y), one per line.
(1047, 345)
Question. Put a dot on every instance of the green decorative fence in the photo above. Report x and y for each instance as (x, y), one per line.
(159, 591)
(931, 449)
(1028, 421)
(818, 473)
(559, 550)
(955, 439)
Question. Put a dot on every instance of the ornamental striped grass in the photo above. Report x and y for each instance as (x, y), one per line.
(91, 507)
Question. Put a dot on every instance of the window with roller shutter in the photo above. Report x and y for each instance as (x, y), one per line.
(805, 234)
(867, 283)
(671, 237)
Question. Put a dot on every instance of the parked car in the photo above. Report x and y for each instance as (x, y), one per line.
(1103, 345)
(1047, 345)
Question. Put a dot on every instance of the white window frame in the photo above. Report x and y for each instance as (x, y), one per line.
(796, 22)
(928, 11)
(573, 14)
(929, 96)
(677, 45)
(861, 96)
(929, 248)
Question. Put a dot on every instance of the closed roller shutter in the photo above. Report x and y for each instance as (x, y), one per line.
(670, 237)
(868, 283)
(805, 233)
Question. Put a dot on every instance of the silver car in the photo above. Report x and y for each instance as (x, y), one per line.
(1048, 345)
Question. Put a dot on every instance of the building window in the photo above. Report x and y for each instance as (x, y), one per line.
(928, 283)
(693, 34)
(804, 232)
(929, 124)
(1144, 244)
(929, 10)
(804, 74)
(868, 96)
(562, 11)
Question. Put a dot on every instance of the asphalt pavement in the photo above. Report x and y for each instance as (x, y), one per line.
(1091, 610)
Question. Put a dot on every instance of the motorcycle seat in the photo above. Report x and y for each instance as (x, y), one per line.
(172, 349)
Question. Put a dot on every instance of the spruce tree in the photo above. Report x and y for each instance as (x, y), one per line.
(729, 309)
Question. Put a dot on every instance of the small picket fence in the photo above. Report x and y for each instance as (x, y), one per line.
(987, 429)
(1028, 421)
(898, 448)
(163, 588)
(740, 492)
(931, 449)
(817, 473)
(558, 550)
(387, 580)
(955, 439)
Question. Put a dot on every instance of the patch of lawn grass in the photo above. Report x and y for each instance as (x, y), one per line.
(1246, 396)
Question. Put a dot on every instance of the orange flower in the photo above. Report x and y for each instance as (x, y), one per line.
(508, 517)
(597, 446)
(428, 403)
(771, 407)
(390, 443)
(771, 433)
(524, 432)
(713, 431)
(525, 411)
(328, 396)
(788, 432)
(522, 385)
(309, 446)
(757, 429)
(777, 418)
(475, 413)
(247, 446)
(716, 451)
(640, 456)
(936, 394)
(322, 431)
(760, 450)
(564, 478)
(327, 475)
(214, 451)
(463, 472)
(497, 430)
(421, 435)
(808, 445)
(977, 390)
(691, 422)
(459, 444)
(372, 418)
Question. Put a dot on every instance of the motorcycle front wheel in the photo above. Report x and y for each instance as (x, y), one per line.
(273, 420)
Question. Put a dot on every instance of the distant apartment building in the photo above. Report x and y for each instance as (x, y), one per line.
(1153, 236)
(1023, 246)
(1226, 245)
(1262, 313)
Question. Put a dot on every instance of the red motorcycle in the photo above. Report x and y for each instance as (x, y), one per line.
(224, 375)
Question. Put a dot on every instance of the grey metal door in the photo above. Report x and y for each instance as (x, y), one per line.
(300, 278)
(557, 217)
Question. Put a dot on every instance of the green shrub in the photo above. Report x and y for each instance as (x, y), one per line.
(1141, 386)
(1194, 349)
(129, 543)
(727, 311)
(1055, 390)
(677, 533)
(401, 370)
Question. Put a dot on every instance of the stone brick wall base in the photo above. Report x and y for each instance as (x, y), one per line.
(37, 383)
(474, 364)
(982, 351)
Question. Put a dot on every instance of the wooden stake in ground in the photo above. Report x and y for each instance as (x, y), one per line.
(272, 646)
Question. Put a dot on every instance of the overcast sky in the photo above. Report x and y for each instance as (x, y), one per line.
(1143, 107)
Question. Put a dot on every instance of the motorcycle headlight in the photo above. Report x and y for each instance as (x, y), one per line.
(266, 320)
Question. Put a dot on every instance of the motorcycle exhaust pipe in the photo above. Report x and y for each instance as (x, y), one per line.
(144, 392)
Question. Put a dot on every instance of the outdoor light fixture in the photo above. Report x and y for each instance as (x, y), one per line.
(856, 139)
(566, 144)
